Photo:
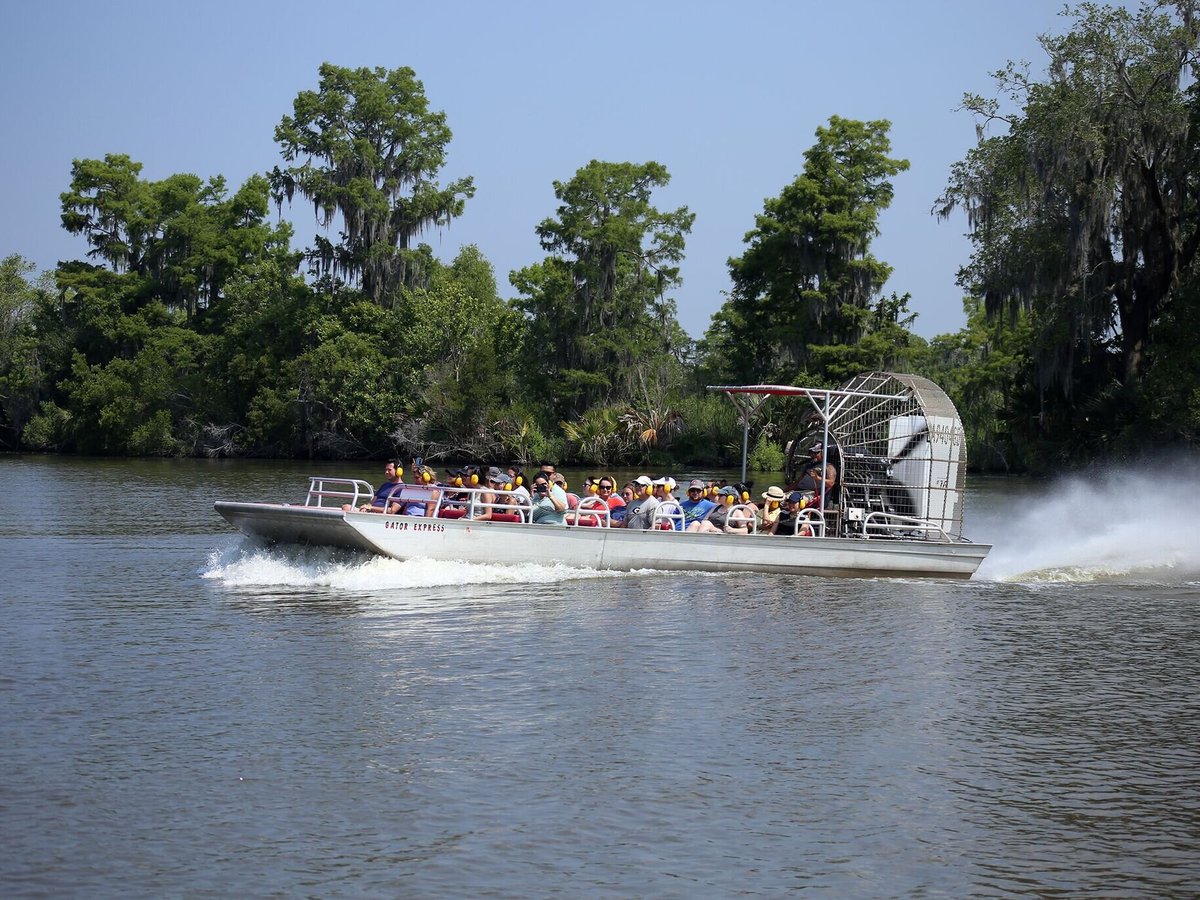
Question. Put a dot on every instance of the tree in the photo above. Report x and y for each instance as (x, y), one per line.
(1085, 209)
(366, 147)
(983, 368)
(884, 343)
(808, 269)
(22, 370)
(600, 315)
(181, 238)
(459, 344)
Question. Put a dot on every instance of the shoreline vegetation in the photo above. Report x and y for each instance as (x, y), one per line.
(195, 327)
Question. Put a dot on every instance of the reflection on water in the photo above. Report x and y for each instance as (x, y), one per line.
(182, 712)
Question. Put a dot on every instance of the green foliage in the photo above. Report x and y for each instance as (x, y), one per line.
(808, 269)
(1085, 215)
(522, 439)
(180, 238)
(49, 428)
(983, 368)
(711, 428)
(765, 456)
(366, 147)
(595, 438)
(600, 319)
(885, 343)
(22, 372)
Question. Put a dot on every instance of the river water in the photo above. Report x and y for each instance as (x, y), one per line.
(185, 714)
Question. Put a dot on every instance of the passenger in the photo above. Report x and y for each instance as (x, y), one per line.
(638, 513)
(773, 498)
(517, 479)
(549, 502)
(561, 480)
(792, 522)
(392, 483)
(663, 487)
(617, 514)
(605, 485)
(718, 521)
(696, 507)
(826, 471)
(420, 502)
(485, 500)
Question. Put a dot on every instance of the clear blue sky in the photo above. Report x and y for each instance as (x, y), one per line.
(726, 96)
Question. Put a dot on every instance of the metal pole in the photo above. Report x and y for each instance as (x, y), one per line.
(745, 444)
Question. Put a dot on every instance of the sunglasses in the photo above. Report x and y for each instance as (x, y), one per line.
(606, 487)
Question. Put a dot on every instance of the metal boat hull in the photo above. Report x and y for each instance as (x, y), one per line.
(403, 537)
(280, 523)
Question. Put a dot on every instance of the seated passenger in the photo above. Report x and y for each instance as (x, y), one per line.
(773, 498)
(486, 500)
(421, 499)
(639, 511)
(559, 479)
(517, 479)
(392, 483)
(696, 507)
(617, 514)
(719, 520)
(605, 490)
(821, 470)
(663, 486)
(549, 502)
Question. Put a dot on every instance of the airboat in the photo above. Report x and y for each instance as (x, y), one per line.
(896, 509)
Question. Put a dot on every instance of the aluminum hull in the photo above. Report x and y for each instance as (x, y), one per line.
(403, 537)
(280, 523)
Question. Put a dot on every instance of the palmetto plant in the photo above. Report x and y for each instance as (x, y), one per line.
(653, 426)
(596, 436)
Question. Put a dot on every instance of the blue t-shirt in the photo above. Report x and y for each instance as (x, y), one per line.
(384, 491)
(696, 510)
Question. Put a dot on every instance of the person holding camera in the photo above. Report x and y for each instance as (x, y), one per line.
(549, 502)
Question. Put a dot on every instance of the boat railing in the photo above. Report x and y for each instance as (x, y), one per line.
(667, 515)
(340, 490)
(893, 526)
(591, 512)
(810, 518)
(468, 503)
(743, 514)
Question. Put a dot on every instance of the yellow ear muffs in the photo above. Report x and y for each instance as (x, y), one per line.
(399, 471)
(729, 499)
(745, 496)
(458, 481)
(508, 486)
(520, 480)
(474, 479)
(426, 476)
(773, 506)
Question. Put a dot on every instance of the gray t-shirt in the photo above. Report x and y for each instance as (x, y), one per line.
(639, 512)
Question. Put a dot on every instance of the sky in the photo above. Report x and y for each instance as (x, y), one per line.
(726, 96)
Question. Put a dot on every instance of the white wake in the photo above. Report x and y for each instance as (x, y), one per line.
(1139, 523)
(242, 566)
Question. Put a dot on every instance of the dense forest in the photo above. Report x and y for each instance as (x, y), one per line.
(195, 327)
